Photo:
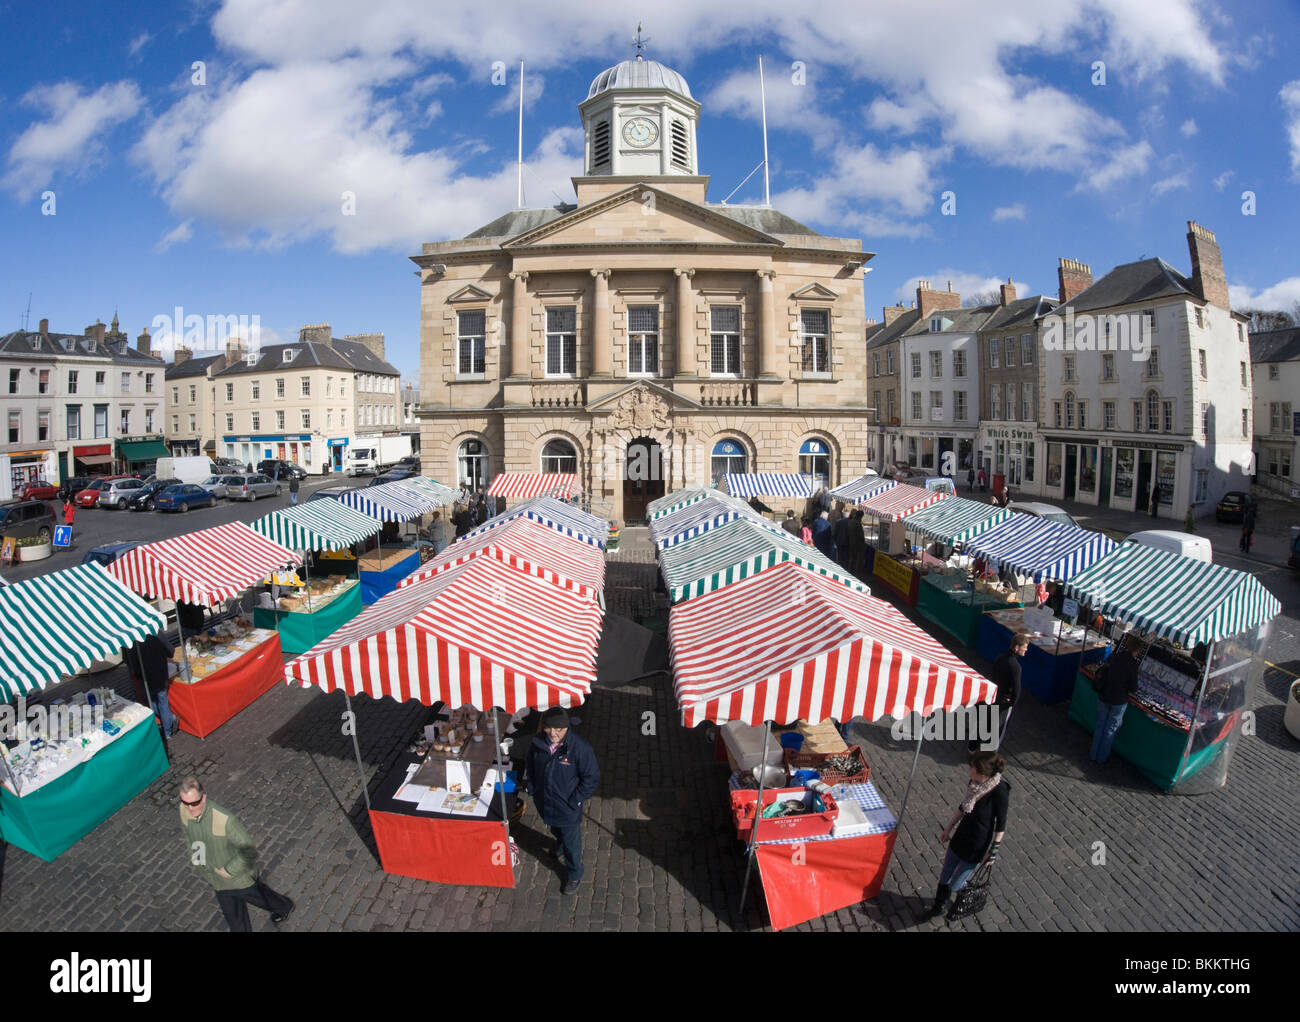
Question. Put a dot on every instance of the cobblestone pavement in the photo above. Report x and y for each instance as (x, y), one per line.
(661, 855)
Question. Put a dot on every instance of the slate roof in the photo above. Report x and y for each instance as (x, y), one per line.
(19, 342)
(1132, 283)
(311, 355)
(761, 218)
(518, 221)
(895, 330)
(363, 359)
(965, 320)
(1021, 312)
(1275, 345)
(191, 367)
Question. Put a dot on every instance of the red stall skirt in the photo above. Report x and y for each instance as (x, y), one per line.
(468, 852)
(203, 707)
(804, 881)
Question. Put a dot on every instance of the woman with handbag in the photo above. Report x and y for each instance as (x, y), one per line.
(1116, 679)
(982, 813)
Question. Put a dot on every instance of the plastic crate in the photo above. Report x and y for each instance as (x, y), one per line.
(805, 825)
(816, 761)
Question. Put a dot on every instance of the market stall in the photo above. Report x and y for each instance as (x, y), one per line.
(679, 499)
(766, 484)
(890, 555)
(735, 551)
(698, 518)
(949, 594)
(225, 669)
(307, 613)
(436, 491)
(1057, 647)
(784, 645)
(1198, 631)
(1031, 550)
(524, 485)
(382, 568)
(440, 640)
(73, 760)
(554, 514)
(859, 489)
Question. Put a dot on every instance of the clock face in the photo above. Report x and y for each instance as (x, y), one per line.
(640, 132)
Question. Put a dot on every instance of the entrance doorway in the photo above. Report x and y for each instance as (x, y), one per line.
(643, 478)
(1103, 495)
(1143, 497)
(1071, 469)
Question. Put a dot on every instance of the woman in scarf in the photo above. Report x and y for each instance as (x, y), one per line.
(982, 813)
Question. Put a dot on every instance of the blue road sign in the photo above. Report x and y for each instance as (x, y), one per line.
(63, 535)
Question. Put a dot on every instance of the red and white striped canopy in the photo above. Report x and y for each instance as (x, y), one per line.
(789, 644)
(514, 485)
(899, 501)
(529, 546)
(202, 567)
(481, 633)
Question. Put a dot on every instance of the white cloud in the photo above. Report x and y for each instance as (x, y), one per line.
(1221, 182)
(1290, 96)
(1283, 295)
(1171, 183)
(1115, 166)
(1016, 212)
(1189, 128)
(789, 106)
(138, 44)
(183, 231)
(886, 115)
(963, 282)
(534, 86)
(70, 139)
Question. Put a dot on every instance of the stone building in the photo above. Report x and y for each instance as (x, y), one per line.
(645, 338)
(1275, 368)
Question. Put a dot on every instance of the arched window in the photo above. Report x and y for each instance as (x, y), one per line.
(815, 463)
(1153, 411)
(559, 456)
(1069, 409)
(473, 465)
(728, 456)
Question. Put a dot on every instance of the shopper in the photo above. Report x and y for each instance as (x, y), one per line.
(822, 537)
(219, 847)
(983, 480)
(150, 666)
(1155, 498)
(857, 543)
(438, 533)
(970, 478)
(293, 489)
(69, 511)
(1116, 680)
(791, 523)
(1006, 676)
(561, 774)
(1247, 528)
(840, 533)
(805, 531)
(982, 813)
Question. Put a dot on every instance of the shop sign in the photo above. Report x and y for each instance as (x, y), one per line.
(1009, 434)
(1165, 447)
(889, 570)
(81, 452)
(15, 455)
(1070, 608)
(339, 442)
(7, 550)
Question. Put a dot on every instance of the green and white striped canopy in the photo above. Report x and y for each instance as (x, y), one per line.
(955, 520)
(737, 550)
(316, 525)
(430, 488)
(681, 498)
(58, 623)
(1172, 596)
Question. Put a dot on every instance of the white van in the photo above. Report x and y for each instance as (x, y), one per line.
(1181, 543)
(187, 470)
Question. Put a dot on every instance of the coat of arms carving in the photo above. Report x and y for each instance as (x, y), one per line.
(640, 409)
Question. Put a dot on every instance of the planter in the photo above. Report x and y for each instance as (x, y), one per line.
(35, 552)
(1291, 719)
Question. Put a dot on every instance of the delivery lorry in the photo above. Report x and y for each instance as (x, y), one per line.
(372, 455)
(187, 470)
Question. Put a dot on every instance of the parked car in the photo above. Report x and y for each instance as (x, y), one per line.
(395, 476)
(181, 497)
(143, 498)
(109, 552)
(329, 492)
(282, 470)
(1049, 511)
(410, 463)
(118, 492)
(246, 487)
(74, 485)
(40, 490)
(216, 485)
(89, 497)
(225, 465)
(23, 518)
(1182, 543)
(1232, 508)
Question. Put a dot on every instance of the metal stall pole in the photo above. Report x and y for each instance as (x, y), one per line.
(148, 696)
(497, 758)
(1200, 699)
(356, 747)
(758, 811)
(910, 777)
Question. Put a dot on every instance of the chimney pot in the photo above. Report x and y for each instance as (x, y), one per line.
(1074, 278)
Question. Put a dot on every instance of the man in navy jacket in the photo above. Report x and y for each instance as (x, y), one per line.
(562, 774)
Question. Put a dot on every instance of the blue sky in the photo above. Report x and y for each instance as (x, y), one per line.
(225, 196)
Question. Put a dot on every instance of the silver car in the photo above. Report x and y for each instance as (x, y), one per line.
(216, 485)
(250, 487)
(118, 492)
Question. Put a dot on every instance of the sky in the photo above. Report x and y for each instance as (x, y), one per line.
(282, 159)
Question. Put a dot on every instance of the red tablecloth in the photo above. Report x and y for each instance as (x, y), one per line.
(811, 879)
(467, 852)
(203, 707)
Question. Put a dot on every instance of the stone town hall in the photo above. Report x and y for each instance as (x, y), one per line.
(714, 338)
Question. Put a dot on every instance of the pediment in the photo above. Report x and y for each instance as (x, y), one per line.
(644, 400)
(815, 290)
(470, 293)
(642, 214)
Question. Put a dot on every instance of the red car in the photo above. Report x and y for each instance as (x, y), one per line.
(40, 490)
(89, 497)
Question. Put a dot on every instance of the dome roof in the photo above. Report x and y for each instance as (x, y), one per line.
(639, 74)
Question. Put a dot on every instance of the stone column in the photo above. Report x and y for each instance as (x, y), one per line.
(766, 324)
(601, 354)
(685, 324)
(519, 324)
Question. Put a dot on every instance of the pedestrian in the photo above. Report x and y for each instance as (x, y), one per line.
(857, 543)
(250, 468)
(561, 774)
(1003, 497)
(1247, 528)
(480, 509)
(460, 519)
(1155, 498)
(970, 478)
(1006, 676)
(293, 489)
(150, 665)
(822, 536)
(791, 523)
(805, 530)
(840, 534)
(1115, 681)
(69, 511)
(983, 480)
(983, 815)
(836, 513)
(219, 847)
(438, 533)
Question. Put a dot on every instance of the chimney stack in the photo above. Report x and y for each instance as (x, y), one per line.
(96, 332)
(318, 333)
(1008, 291)
(892, 312)
(181, 355)
(234, 350)
(934, 301)
(375, 342)
(144, 343)
(1075, 278)
(45, 328)
(1207, 265)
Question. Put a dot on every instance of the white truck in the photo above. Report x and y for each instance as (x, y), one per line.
(373, 455)
(187, 470)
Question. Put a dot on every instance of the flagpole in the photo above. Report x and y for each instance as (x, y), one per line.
(762, 88)
(519, 203)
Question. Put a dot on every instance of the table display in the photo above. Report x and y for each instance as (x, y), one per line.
(222, 671)
(307, 614)
(1049, 667)
(382, 569)
(101, 751)
(951, 598)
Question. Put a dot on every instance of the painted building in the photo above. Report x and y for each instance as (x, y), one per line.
(1275, 372)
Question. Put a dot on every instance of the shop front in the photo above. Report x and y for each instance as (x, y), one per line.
(139, 454)
(940, 452)
(338, 449)
(92, 459)
(251, 449)
(18, 468)
(1010, 450)
(1118, 473)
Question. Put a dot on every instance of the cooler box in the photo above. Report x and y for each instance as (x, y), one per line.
(780, 828)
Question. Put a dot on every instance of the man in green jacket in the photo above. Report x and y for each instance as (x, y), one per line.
(219, 847)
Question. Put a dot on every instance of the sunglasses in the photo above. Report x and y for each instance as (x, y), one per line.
(196, 802)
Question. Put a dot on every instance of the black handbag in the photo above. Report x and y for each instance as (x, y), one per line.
(972, 898)
(1099, 676)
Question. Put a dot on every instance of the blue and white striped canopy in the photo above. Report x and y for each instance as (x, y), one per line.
(391, 502)
(861, 488)
(695, 519)
(556, 514)
(766, 484)
(1041, 549)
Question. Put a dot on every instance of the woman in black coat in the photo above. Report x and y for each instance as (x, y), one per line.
(982, 813)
